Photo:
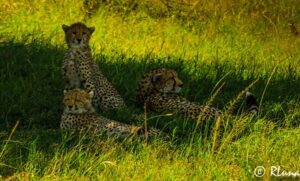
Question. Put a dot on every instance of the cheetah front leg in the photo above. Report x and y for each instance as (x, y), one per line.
(86, 76)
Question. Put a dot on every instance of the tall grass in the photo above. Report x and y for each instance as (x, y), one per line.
(218, 49)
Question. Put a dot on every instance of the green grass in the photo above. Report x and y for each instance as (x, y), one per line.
(238, 43)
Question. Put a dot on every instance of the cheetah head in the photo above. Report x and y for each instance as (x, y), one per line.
(159, 80)
(166, 81)
(77, 35)
(78, 101)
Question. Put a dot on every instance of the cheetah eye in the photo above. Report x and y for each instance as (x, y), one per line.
(83, 33)
(74, 32)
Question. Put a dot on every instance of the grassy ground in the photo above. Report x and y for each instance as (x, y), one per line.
(207, 41)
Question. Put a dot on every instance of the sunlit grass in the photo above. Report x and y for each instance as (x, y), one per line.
(210, 40)
(85, 157)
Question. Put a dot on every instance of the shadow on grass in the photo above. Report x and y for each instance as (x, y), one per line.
(31, 92)
(31, 83)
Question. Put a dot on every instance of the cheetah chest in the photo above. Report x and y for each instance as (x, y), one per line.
(72, 74)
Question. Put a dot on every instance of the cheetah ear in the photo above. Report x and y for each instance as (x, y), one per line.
(65, 92)
(156, 77)
(91, 29)
(91, 94)
(65, 27)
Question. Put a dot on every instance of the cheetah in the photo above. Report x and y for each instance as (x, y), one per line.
(79, 114)
(80, 71)
(159, 90)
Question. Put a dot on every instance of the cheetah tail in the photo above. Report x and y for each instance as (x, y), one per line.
(251, 103)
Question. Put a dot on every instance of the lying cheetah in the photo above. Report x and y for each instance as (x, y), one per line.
(80, 71)
(79, 114)
(159, 91)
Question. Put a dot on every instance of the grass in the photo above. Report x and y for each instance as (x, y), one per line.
(207, 42)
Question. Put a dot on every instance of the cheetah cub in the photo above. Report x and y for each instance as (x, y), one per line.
(80, 71)
(159, 90)
(79, 114)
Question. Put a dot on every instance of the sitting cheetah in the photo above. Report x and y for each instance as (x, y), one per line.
(79, 114)
(80, 71)
(159, 89)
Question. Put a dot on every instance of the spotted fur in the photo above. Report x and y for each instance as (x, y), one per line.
(80, 71)
(159, 91)
(79, 114)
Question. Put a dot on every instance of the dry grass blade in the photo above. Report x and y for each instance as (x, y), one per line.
(216, 134)
(215, 91)
(265, 89)
(8, 139)
(208, 104)
(145, 124)
(229, 108)
(236, 130)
